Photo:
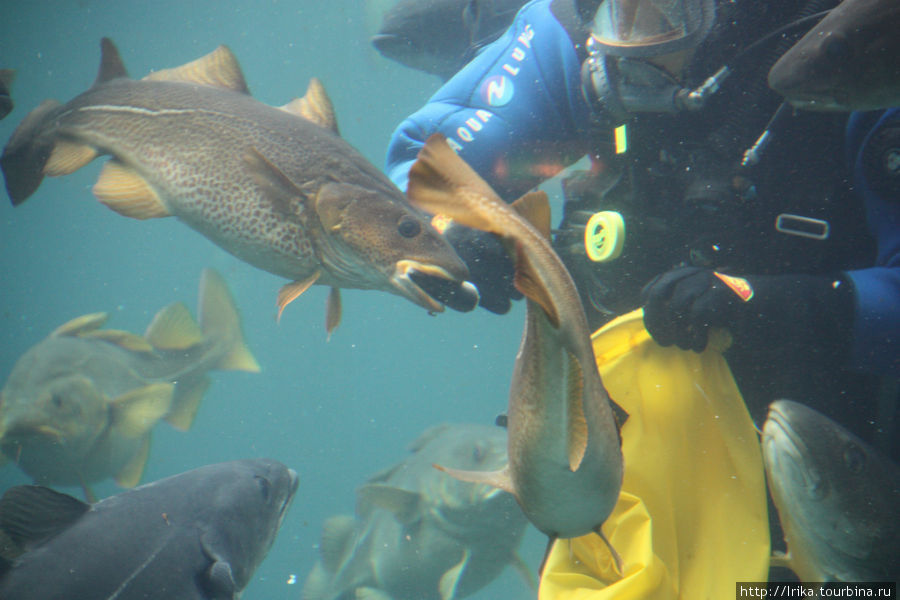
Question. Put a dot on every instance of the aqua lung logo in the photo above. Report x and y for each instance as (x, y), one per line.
(497, 90)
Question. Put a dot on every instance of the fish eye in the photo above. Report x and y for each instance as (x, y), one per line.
(408, 227)
(854, 459)
(264, 487)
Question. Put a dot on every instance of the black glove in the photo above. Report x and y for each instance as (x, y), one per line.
(681, 306)
(490, 267)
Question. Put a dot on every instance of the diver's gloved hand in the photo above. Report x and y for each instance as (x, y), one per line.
(681, 306)
(490, 267)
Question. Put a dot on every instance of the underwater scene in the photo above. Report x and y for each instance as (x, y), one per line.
(370, 299)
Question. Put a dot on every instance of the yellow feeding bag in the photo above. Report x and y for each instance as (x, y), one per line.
(691, 519)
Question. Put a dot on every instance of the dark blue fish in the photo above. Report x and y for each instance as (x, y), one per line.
(440, 36)
(199, 535)
(6, 79)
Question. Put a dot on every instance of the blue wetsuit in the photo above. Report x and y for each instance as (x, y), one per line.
(520, 100)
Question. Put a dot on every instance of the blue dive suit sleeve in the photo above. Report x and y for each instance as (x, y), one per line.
(517, 104)
(876, 327)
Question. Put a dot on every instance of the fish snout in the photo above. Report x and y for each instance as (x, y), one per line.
(432, 287)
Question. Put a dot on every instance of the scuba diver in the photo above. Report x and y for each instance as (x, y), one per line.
(738, 211)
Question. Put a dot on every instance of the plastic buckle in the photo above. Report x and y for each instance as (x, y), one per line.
(806, 227)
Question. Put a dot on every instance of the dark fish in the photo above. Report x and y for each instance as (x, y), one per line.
(565, 457)
(440, 36)
(276, 187)
(6, 79)
(199, 535)
(849, 61)
(79, 406)
(420, 535)
(838, 499)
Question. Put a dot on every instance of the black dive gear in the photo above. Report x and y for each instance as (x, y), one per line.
(490, 267)
(815, 312)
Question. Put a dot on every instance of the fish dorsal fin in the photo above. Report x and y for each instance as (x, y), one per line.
(426, 436)
(499, 479)
(111, 65)
(450, 579)
(282, 193)
(123, 339)
(527, 282)
(314, 106)
(220, 320)
(406, 506)
(218, 69)
(333, 312)
(81, 325)
(30, 514)
(291, 291)
(136, 412)
(337, 531)
(173, 328)
(576, 427)
(125, 191)
(440, 182)
(186, 402)
(67, 157)
(534, 207)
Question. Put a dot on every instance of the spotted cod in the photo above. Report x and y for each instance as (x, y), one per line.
(275, 186)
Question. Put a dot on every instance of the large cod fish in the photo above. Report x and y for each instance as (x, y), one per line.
(276, 187)
(79, 406)
(565, 457)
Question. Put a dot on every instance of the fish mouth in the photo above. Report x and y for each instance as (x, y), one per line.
(19, 434)
(433, 287)
(388, 43)
(292, 491)
(786, 453)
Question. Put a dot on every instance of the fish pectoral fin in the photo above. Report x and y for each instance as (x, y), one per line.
(576, 427)
(440, 182)
(122, 189)
(81, 325)
(498, 479)
(220, 320)
(524, 570)
(370, 593)
(450, 579)
(173, 328)
(333, 312)
(220, 581)
(33, 513)
(616, 557)
(135, 412)
(534, 207)
(337, 531)
(188, 396)
(130, 475)
(123, 339)
(527, 282)
(67, 157)
(405, 505)
(315, 106)
(219, 68)
(291, 291)
(111, 65)
(278, 189)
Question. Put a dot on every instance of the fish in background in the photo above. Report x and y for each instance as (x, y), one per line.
(420, 535)
(6, 79)
(199, 535)
(275, 186)
(565, 456)
(79, 406)
(838, 499)
(441, 36)
(848, 61)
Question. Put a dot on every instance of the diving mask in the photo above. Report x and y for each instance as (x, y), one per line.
(644, 28)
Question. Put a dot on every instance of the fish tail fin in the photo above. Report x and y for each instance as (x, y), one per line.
(28, 151)
(219, 318)
(440, 182)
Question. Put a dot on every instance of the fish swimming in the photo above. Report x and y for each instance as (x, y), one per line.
(440, 36)
(565, 458)
(79, 406)
(6, 79)
(848, 61)
(276, 187)
(838, 499)
(420, 535)
(199, 535)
